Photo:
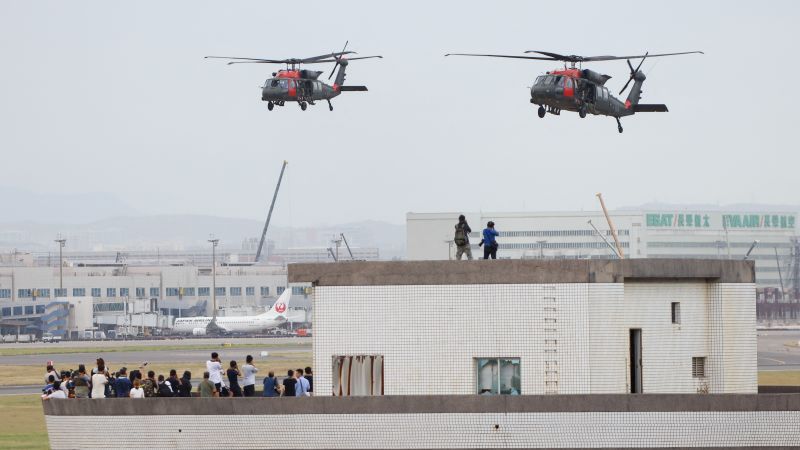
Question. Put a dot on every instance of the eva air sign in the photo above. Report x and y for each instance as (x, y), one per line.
(720, 221)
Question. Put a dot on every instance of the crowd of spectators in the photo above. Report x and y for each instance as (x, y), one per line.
(217, 382)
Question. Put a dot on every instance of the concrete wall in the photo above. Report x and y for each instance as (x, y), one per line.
(571, 338)
(441, 422)
(519, 272)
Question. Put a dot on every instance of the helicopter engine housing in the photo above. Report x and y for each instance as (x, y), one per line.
(595, 77)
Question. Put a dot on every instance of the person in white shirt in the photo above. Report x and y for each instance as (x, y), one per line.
(57, 392)
(99, 382)
(137, 391)
(50, 371)
(249, 382)
(214, 368)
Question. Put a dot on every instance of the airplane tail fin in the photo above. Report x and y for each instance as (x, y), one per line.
(281, 304)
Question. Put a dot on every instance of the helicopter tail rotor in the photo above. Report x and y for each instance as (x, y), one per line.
(338, 60)
(633, 72)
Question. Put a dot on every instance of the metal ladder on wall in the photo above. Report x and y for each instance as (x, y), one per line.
(550, 345)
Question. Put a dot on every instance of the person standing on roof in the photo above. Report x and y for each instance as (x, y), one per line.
(461, 238)
(489, 242)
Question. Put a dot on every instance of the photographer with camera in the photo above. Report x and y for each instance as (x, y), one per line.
(489, 242)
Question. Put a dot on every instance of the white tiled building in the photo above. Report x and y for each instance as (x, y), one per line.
(533, 327)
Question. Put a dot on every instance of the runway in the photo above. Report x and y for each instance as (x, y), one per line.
(774, 354)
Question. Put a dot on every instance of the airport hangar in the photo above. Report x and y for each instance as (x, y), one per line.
(494, 354)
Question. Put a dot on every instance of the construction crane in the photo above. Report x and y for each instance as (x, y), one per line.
(269, 215)
(348, 246)
(611, 227)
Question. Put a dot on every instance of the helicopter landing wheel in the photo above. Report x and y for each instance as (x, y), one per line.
(303, 106)
(582, 112)
(541, 112)
(270, 105)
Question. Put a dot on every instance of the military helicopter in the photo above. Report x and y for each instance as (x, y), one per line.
(583, 90)
(300, 85)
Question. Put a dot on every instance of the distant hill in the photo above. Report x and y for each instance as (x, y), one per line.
(191, 232)
(61, 208)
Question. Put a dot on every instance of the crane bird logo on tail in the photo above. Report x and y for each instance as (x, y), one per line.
(280, 307)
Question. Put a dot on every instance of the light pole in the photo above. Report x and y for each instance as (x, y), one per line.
(61, 242)
(541, 248)
(214, 243)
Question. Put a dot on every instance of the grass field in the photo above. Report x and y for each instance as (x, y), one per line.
(779, 378)
(56, 349)
(23, 423)
(279, 362)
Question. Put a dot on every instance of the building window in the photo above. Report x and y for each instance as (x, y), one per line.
(280, 290)
(60, 292)
(699, 367)
(139, 292)
(188, 292)
(357, 375)
(6, 312)
(676, 312)
(79, 292)
(44, 293)
(298, 290)
(236, 291)
(172, 292)
(498, 376)
(265, 291)
(220, 291)
(154, 292)
(29, 310)
(18, 310)
(124, 292)
(111, 292)
(24, 293)
(250, 291)
(203, 291)
(95, 292)
(5, 293)
(40, 309)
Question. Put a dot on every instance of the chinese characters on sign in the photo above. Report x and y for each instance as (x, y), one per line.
(691, 220)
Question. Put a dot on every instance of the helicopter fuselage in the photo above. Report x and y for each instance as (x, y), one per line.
(574, 90)
(289, 86)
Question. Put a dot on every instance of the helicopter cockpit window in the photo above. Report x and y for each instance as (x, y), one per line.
(540, 80)
(274, 83)
(557, 80)
(284, 84)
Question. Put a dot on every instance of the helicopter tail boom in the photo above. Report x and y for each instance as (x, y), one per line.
(352, 88)
(650, 108)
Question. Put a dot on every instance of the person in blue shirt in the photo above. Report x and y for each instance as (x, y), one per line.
(489, 241)
(270, 385)
(122, 386)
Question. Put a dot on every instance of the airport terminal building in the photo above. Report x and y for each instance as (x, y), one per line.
(137, 297)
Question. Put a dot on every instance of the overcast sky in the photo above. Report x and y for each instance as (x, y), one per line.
(105, 97)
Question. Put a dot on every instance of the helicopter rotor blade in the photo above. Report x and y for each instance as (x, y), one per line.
(578, 58)
(337, 60)
(503, 56)
(258, 60)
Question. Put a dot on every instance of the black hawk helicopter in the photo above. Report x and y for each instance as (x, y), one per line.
(300, 85)
(583, 90)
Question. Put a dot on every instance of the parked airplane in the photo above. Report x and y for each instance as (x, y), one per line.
(238, 324)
